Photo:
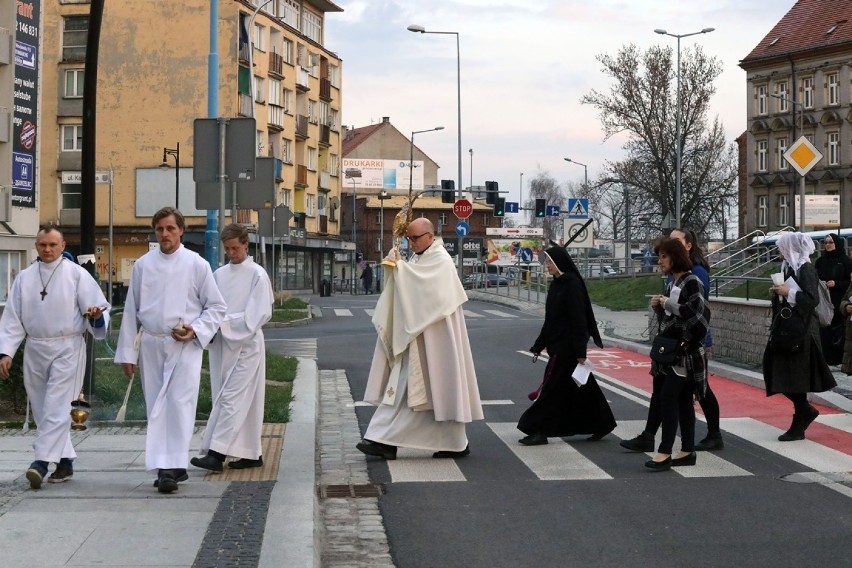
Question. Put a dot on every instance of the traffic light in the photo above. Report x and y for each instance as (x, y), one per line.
(448, 191)
(490, 192)
(540, 207)
(499, 206)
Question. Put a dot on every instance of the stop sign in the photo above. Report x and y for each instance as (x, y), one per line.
(462, 208)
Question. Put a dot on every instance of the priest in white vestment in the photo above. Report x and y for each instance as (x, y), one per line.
(172, 311)
(422, 378)
(238, 360)
(53, 304)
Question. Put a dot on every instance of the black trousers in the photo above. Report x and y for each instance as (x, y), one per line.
(709, 405)
(675, 398)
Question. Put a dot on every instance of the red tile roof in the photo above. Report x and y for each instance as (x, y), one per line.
(809, 26)
(355, 136)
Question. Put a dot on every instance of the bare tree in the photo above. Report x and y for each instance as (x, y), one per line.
(642, 102)
(544, 186)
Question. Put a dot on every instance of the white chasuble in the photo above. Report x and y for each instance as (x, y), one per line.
(167, 289)
(238, 362)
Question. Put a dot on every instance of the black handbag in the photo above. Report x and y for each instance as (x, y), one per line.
(788, 331)
(665, 350)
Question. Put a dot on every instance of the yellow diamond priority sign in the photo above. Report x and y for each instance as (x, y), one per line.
(802, 155)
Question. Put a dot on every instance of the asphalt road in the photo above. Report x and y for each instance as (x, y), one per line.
(577, 503)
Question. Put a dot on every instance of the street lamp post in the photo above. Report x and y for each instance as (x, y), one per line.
(411, 156)
(521, 198)
(420, 29)
(353, 173)
(801, 177)
(382, 196)
(679, 147)
(471, 168)
(175, 152)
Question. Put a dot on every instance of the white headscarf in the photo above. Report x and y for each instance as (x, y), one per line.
(796, 249)
(558, 271)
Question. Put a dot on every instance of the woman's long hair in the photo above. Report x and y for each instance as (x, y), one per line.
(696, 255)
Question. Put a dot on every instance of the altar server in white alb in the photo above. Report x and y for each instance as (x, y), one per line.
(53, 304)
(422, 377)
(238, 360)
(172, 311)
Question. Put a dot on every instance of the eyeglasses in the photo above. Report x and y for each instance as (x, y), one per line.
(415, 237)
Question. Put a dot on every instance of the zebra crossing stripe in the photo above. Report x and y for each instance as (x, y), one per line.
(840, 421)
(342, 312)
(420, 466)
(498, 313)
(470, 314)
(556, 461)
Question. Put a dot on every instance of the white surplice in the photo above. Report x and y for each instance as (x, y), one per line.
(54, 355)
(167, 289)
(238, 362)
(422, 377)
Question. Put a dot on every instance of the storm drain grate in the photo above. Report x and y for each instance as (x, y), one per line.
(346, 491)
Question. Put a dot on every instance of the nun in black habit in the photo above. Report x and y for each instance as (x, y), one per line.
(563, 408)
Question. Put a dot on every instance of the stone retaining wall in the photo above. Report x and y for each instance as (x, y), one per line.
(740, 329)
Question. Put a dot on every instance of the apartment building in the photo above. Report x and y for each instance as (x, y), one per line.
(799, 83)
(153, 84)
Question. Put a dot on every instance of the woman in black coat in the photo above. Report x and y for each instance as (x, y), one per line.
(563, 408)
(796, 373)
(834, 268)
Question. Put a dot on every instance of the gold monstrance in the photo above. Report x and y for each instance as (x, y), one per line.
(400, 224)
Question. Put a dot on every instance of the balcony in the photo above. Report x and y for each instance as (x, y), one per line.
(325, 181)
(301, 126)
(276, 65)
(323, 225)
(325, 89)
(244, 53)
(325, 135)
(302, 77)
(301, 176)
(275, 117)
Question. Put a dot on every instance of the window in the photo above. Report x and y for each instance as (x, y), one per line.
(287, 151)
(285, 197)
(808, 92)
(287, 101)
(781, 91)
(72, 137)
(10, 266)
(288, 10)
(761, 211)
(332, 118)
(832, 89)
(333, 164)
(334, 75)
(71, 197)
(312, 26)
(312, 111)
(259, 89)
(762, 107)
(259, 37)
(287, 51)
(442, 219)
(485, 219)
(74, 36)
(258, 137)
(833, 148)
(74, 83)
(761, 155)
(378, 217)
(274, 92)
(310, 205)
(783, 211)
(312, 159)
(378, 244)
(781, 148)
(323, 113)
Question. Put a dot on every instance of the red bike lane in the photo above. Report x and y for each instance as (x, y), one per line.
(736, 399)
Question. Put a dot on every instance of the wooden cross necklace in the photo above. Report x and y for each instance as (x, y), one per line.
(43, 283)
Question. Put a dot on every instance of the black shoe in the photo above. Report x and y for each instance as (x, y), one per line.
(166, 482)
(35, 474)
(713, 441)
(245, 463)
(641, 443)
(599, 435)
(207, 462)
(448, 454)
(688, 459)
(63, 472)
(664, 465)
(533, 440)
(796, 430)
(179, 475)
(376, 449)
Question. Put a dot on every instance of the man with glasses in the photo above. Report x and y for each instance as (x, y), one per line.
(422, 378)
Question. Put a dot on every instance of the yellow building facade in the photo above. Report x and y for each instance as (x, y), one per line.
(153, 84)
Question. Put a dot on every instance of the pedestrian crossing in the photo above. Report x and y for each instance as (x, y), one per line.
(470, 314)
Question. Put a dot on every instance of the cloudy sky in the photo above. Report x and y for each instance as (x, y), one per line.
(524, 66)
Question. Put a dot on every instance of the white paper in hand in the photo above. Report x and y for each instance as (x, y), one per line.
(581, 373)
(794, 288)
(674, 295)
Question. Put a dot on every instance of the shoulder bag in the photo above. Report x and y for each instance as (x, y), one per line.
(665, 350)
(788, 331)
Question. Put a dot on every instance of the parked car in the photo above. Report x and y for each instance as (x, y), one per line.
(479, 280)
(598, 271)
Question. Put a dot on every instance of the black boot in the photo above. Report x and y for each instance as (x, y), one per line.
(713, 441)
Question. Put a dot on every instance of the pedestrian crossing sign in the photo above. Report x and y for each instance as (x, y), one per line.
(578, 208)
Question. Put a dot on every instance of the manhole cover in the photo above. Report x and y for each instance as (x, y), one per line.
(347, 491)
(818, 477)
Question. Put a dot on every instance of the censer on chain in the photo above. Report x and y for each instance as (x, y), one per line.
(80, 411)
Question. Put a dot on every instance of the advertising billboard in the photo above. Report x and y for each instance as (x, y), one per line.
(381, 174)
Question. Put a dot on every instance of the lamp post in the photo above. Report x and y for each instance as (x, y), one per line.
(585, 173)
(521, 198)
(420, 29)
(165, 166)
(353, 173)
(382, 196)
(679, 148)
(801, 177)
(411, 156)
(471, 167)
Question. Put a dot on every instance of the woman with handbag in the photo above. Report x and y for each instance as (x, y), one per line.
(677, 355)
(562, 408)
(794, 366)
(834, 268)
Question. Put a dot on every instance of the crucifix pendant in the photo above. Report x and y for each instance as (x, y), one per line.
(43, 294)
